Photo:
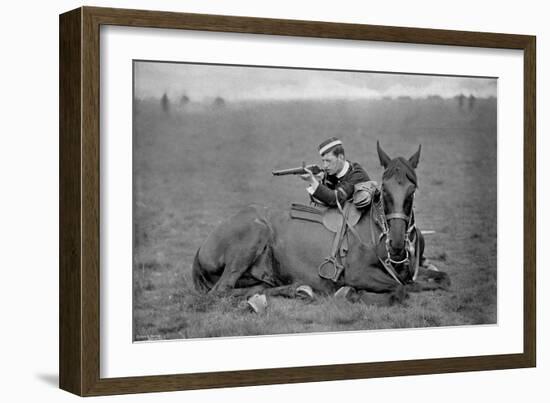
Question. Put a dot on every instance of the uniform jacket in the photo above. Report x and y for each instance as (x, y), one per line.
(344, 186)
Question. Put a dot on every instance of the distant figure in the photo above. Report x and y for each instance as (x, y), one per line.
(471, 102)
(165, 103)
(219, 102)
(184, 100)
(461, 99)
(336, 184)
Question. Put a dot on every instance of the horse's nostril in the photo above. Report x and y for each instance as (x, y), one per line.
(396, 246)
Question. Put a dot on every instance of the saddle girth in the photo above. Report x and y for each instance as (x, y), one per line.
(336, 254)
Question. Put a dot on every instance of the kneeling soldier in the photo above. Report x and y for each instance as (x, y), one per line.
(337, 183)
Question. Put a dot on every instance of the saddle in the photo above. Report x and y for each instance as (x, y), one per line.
(335, 221)
(330, 218)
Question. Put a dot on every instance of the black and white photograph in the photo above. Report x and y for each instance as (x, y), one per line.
(259, 202)
(272, 200)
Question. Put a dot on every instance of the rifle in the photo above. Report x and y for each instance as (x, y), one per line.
(315, 170)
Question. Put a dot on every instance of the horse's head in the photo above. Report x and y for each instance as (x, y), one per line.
(398, 186)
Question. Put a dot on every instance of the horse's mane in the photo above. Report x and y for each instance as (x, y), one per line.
(401, 169)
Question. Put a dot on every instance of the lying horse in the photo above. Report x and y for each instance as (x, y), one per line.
(264, 250)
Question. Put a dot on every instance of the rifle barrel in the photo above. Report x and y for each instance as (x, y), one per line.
(315, 169)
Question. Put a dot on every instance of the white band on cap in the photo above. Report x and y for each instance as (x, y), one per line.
(329, 146)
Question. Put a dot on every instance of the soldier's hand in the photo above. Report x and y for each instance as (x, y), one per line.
(309, 177)
(320, 176)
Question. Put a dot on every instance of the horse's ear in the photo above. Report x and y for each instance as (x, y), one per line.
(416, 157)
(384, 158)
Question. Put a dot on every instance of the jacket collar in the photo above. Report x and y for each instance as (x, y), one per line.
(344, 170)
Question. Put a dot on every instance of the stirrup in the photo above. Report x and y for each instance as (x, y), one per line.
(331, 269)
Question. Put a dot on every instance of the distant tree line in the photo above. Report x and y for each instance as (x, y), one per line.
(165, 103)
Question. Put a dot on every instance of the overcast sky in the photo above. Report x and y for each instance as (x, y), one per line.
(198, 82)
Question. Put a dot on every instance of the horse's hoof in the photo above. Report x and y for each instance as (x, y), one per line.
(343, 292)
(258, 303)
(429, 265)
(304, 291)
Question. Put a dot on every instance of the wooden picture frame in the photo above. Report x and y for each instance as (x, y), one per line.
(79, 347)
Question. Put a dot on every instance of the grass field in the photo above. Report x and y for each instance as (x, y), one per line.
(196, 164)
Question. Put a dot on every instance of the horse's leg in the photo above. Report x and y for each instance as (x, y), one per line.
(421, 247)
(263, 270)
(286, 291)
(374, 286)
(428, 280)
(250, 251)
(370, 278)
(236, 266)
(396, 296)
(248, 291)
(258, 278)
(424, 262)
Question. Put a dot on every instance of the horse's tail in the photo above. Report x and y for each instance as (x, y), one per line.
(200, 282)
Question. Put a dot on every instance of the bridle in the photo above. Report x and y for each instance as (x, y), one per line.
(410, 238)
(409, 220)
